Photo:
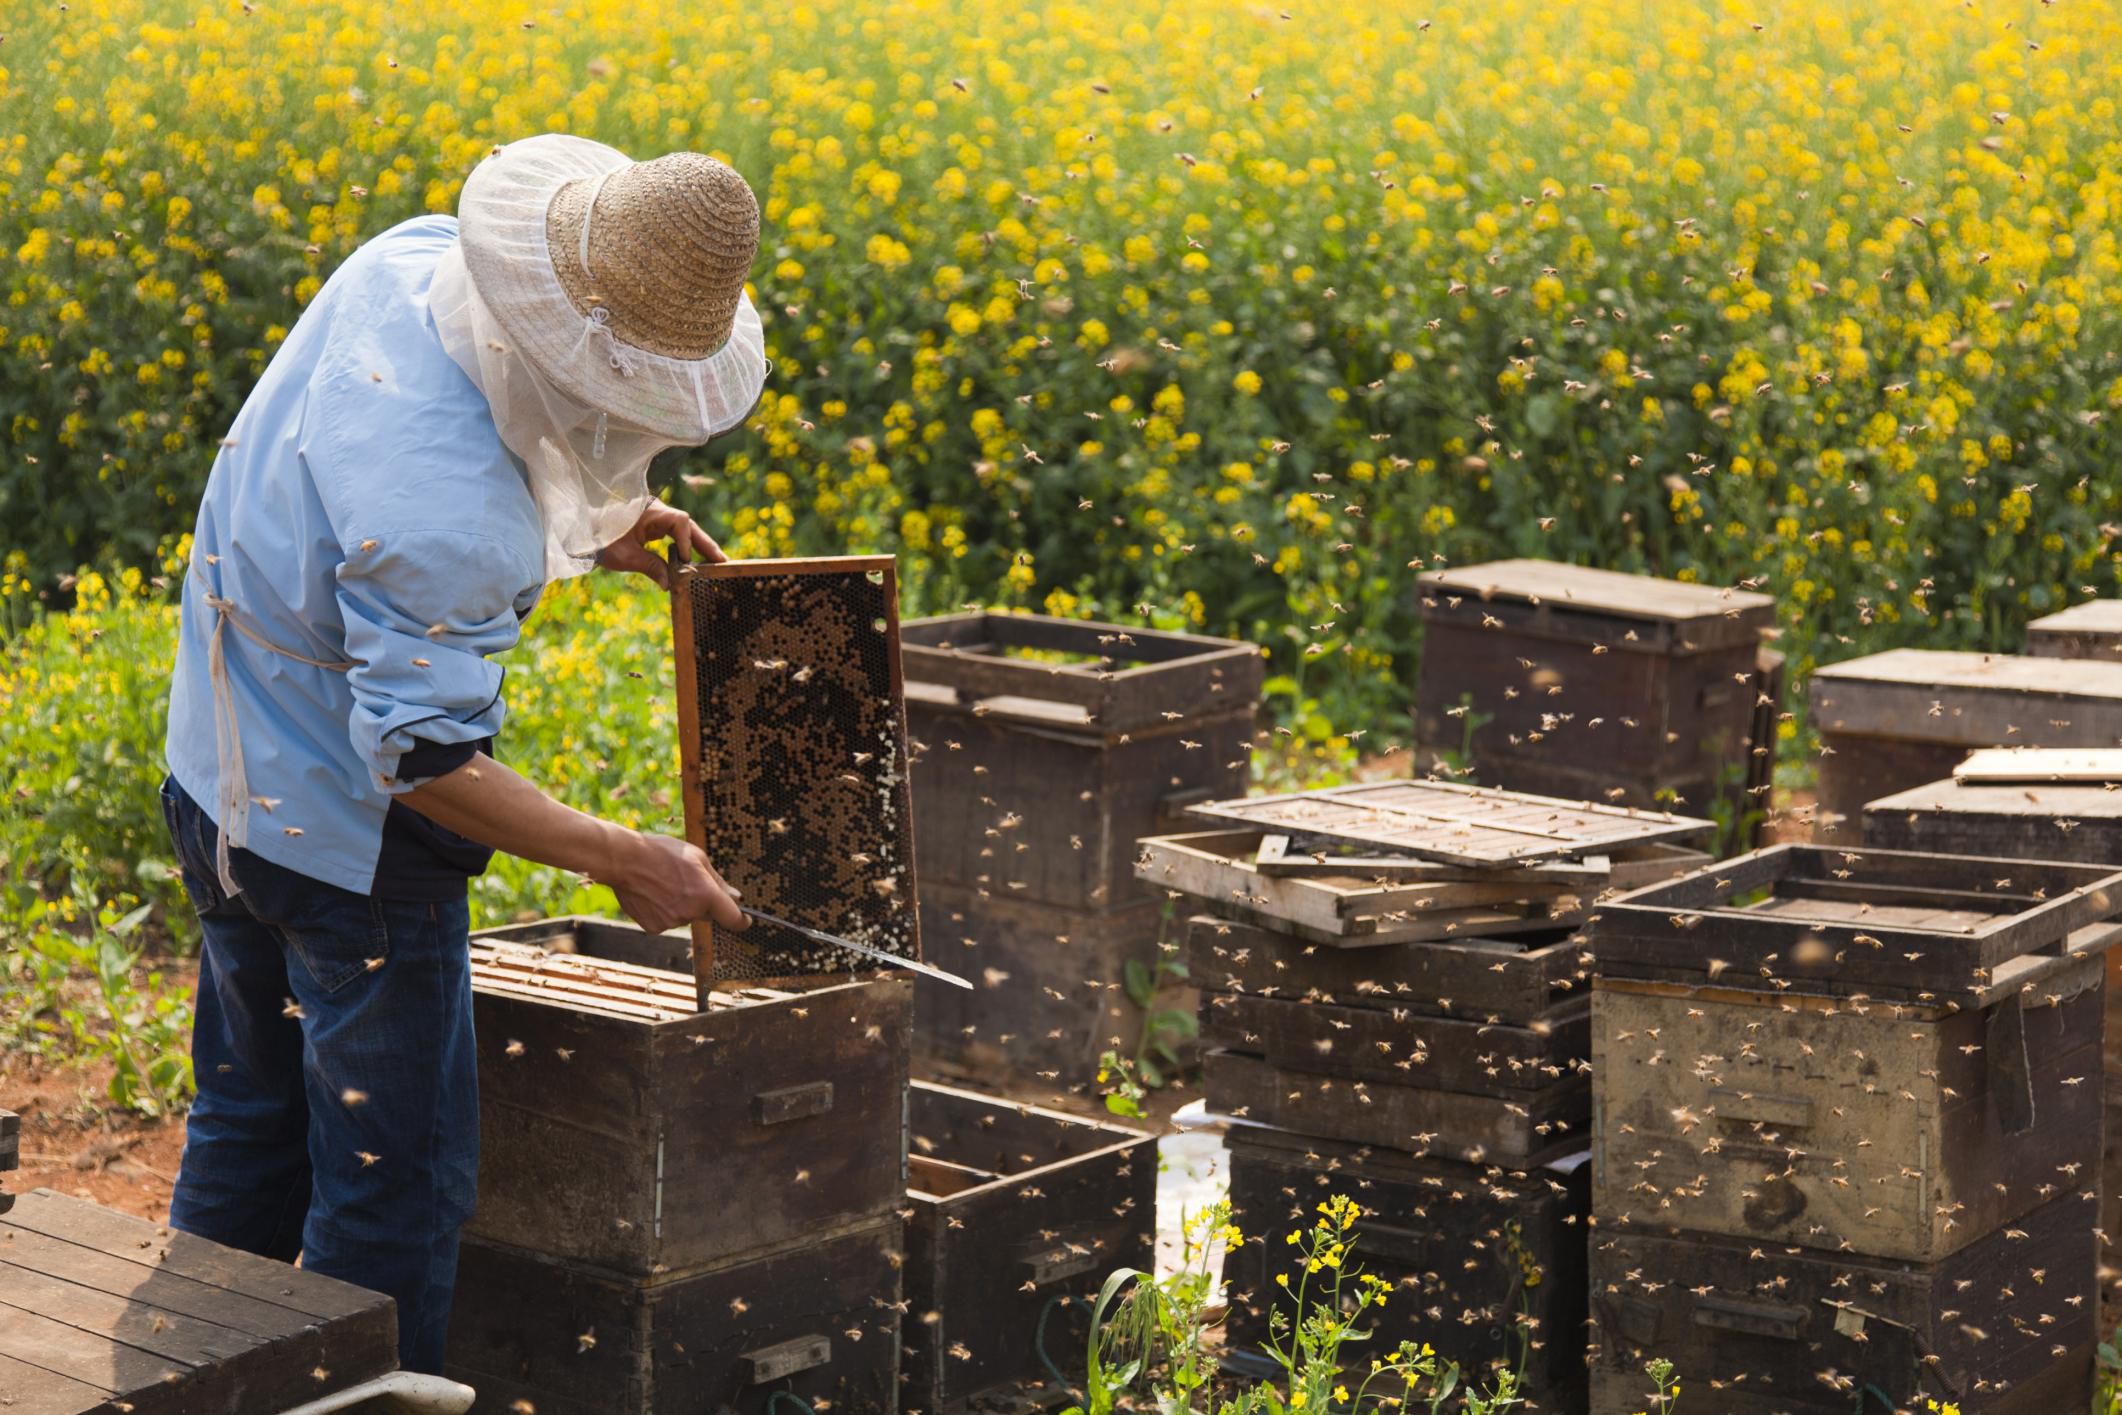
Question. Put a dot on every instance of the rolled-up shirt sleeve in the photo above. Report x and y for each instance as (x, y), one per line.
(423, 609)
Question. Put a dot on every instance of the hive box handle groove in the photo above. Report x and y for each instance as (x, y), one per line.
(784, 1359)
(793, 1102)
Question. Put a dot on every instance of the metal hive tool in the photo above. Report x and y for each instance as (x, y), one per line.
(792, 731)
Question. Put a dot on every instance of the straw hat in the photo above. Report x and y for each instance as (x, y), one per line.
(670, 245)
(621, 282)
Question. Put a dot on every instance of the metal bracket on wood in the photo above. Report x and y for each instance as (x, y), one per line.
(773, 1363)
(2011, 1080)
(10, 1151)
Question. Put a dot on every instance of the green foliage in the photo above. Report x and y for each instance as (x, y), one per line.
(1146, 1336)
(72, 987)
(82, 701)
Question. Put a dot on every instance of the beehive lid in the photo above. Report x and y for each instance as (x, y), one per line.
(1462, 825)
(1665, 614)
(2094, 616)
(2070, 803)
(1975, 699)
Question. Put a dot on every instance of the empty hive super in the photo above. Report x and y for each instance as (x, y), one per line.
(792, 730)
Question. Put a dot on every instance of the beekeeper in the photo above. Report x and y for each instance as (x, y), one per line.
(464, 414)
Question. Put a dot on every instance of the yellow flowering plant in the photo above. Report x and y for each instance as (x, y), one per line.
(1331, 1296)
(1827, 300)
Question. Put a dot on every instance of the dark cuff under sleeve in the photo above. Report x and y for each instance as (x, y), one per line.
(425, 759)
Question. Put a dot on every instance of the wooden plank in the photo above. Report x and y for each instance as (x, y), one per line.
(137, 1322)
(1452, 1125)
(111, 1366)
(167, 1249)
(32, 1390)
(164, 1291)
(2091, 630)
(2041, 764)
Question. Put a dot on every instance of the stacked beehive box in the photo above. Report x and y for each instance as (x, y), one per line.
(1410, 1031)
(2035, 804)
(680, 1204)
(694, 1150)
(1846, 1122)
(1045, 748)
(1583, 683)
(1894, 720)
(1013, 1210)
(2089, 630)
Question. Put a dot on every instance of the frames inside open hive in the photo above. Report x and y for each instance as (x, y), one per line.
(792, 728)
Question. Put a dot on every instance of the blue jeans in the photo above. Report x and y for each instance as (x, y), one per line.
(338, 1110)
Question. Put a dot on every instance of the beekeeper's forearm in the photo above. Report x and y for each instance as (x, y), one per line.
(487, 802)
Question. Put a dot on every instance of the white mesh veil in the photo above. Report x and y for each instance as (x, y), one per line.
(584, 411)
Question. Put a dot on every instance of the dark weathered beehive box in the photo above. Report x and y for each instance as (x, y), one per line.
(1012, 1207)
(1508, 981)
(817, 1318)
(1036, 774)
(1486, 1265)
(1597, 685)
(1882, 924)
(1048, 995)
(619, 1127)
(1367, 1063)
(1887, 1129)
(2089, 630)
(103, 1312)
(2044, 821)
(2003, 1327)
(1895, 720)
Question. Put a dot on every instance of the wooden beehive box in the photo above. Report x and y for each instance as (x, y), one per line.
(2074, 821)
(1485, 1265)
(2003, 1327)
(817, 1318)
(620, 1127)
(2089, 630)
(1595, 685)
(1362, 908)
(1369, 1063)
(1012, 1207)
(1887, 1129)
(1048, 746)
(1887, 925)
(1898, 719)
(1049, 991)
(1506, 981)
(103, 1312)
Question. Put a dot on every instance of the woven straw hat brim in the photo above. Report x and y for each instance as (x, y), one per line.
(670, 245)
(506, 231)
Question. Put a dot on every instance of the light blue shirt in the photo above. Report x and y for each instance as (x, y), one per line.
(362, 511)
